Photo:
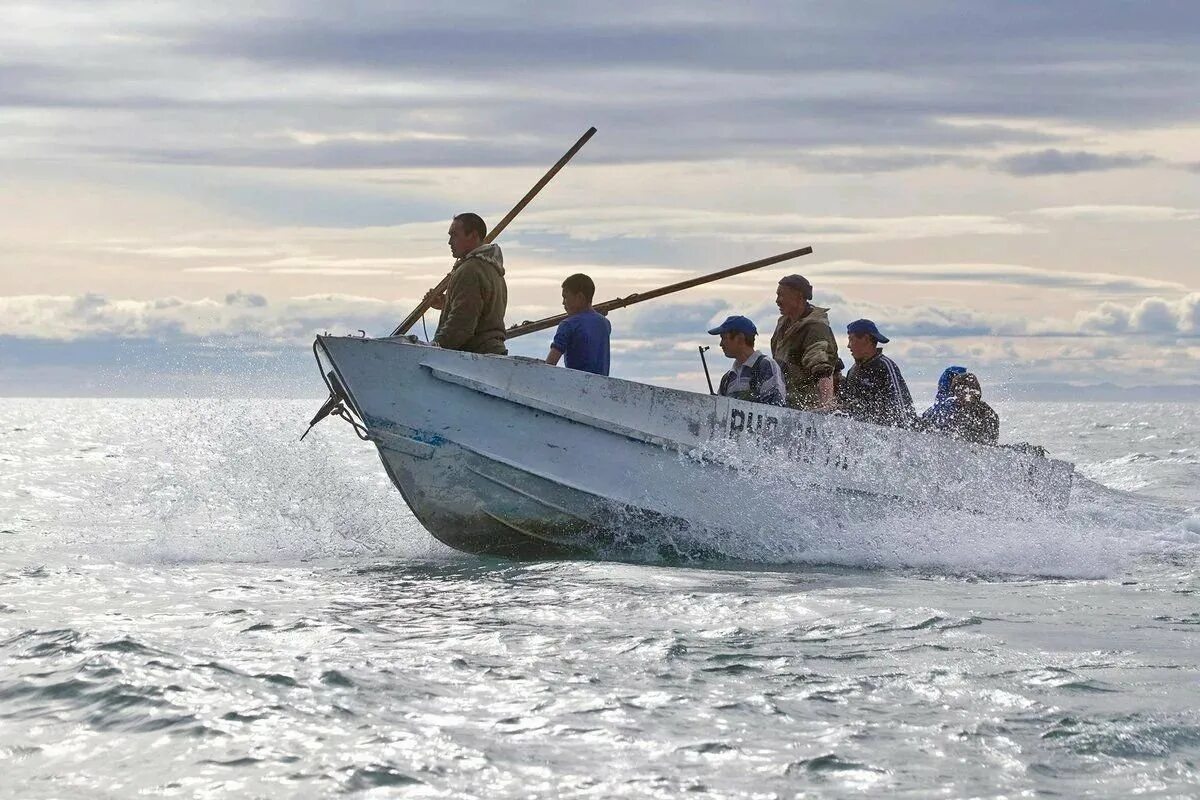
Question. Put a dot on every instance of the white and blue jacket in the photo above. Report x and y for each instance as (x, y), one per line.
(757, 379)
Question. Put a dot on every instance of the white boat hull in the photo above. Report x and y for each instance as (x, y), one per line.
(511, 457)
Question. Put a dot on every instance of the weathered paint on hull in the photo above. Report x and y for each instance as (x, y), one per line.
(500, 511)
(505, 457)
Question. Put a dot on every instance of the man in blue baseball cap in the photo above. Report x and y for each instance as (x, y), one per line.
(754, 376)
(874, 390)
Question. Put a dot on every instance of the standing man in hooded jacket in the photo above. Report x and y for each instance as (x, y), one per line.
(804, 346)
(477, 296)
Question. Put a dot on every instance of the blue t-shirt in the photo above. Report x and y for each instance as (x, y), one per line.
(583, 339)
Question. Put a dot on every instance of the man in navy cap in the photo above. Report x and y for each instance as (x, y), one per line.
(804, 346)
(874, 390)
(754, 376)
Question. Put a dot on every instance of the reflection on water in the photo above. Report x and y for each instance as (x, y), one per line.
(192, 604)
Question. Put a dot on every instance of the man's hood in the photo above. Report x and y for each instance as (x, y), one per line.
(943, 387)
(817, 314)
(487, 253)
(814, 314)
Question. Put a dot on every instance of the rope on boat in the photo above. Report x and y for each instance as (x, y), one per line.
(340, 411)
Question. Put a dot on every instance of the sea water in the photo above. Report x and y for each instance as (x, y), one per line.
(195, 604)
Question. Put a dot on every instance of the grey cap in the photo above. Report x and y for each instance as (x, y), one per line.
(798, 282)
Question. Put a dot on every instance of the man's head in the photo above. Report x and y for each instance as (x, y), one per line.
(793, 295)
(577, 293)
(966, 387)
(467, 231)
(737, 337)
(864, 338)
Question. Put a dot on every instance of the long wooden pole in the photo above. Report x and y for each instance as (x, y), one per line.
(622, 302)
(427, 302)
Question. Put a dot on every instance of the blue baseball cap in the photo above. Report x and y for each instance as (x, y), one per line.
(735, 324)
(868, 327)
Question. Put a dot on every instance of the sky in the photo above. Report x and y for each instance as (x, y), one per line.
(189, 192)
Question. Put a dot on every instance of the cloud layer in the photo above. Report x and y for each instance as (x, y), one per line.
(224, 175)
(244, 334)
(409, 87)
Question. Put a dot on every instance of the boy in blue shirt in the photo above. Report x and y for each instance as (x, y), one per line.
(583, 336)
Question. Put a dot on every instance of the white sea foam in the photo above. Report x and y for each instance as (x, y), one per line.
(784, 521)
(191, 481)
(186, 481)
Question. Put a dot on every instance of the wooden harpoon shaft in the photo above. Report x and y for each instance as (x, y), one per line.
(427, 302)
(641, 297)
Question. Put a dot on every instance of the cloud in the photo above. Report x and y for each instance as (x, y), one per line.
(240, 317)
(190, 251)
(698, 223)
(1119, 213)
(1058, 162)
(871, 160)
(249, 317)
(404, 151)
(1152, 315)
(689, 320)
(302, 84)
(102, 345)
(1000, 274)
(245, 300)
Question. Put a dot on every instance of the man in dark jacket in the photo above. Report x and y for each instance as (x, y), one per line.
(804, 346)
(475, 300)
(874, 390)
(962, 413)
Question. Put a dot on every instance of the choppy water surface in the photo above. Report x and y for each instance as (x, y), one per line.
(193, 604)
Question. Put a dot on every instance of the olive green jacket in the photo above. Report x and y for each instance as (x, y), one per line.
(806, 352)
(473, 317)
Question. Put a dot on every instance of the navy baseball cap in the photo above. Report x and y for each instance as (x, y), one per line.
(735, 324)
(868, 327)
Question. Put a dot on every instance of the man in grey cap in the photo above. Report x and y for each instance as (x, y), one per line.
(874, 390)
(804, 346)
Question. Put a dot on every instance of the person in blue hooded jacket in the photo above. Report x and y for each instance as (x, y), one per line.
(935, 416)
(960, 410)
